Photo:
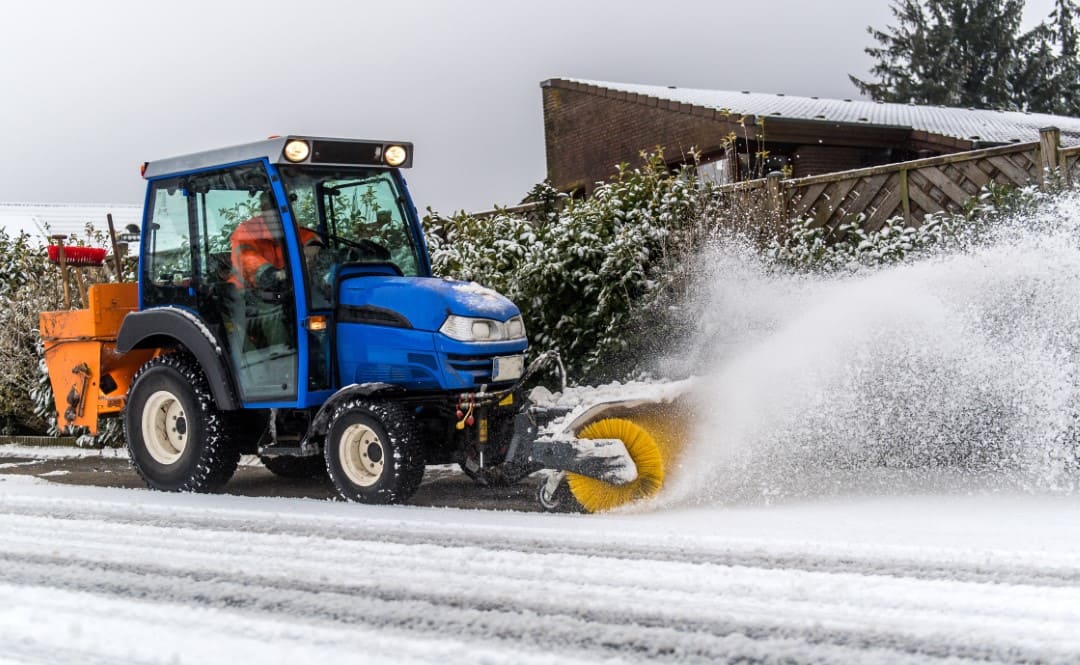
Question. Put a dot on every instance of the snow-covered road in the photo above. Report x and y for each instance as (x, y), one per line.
(99, 575)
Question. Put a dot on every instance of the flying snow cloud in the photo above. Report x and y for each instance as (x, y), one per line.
(962, 363)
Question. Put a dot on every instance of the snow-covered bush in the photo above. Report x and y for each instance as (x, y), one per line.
(30, 285)
(27, 286)
(596, 280)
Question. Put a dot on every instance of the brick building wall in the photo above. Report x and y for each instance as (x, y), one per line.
(588, 133)
(589, 129)
(810, 160)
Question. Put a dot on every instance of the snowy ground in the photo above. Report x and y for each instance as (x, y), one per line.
(103, 575)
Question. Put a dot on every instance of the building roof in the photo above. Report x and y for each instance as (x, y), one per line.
(41, 220)
(976, 125)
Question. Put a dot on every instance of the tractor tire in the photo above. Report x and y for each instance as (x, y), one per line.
(290, 466)
(177, 439)
(374, 452)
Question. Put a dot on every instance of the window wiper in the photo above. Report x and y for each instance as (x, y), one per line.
(336, 189)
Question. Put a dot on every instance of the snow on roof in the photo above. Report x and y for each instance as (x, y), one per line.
(986, 126)
(41, 220)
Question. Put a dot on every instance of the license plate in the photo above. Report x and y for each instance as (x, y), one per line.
(508, 368)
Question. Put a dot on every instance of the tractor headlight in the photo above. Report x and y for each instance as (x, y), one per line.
(515, 328)
(484, 330)
(297, 150)
(468, 329)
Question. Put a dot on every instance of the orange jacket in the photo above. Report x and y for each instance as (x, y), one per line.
(257, 245)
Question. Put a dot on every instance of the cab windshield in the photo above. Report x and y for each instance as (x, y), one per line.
(348, 215)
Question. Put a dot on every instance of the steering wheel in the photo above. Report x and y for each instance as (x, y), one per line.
(358, 251)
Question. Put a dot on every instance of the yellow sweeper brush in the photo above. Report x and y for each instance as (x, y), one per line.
(653, 433)
(595, 495)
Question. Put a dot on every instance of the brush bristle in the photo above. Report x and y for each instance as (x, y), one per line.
(596, 495)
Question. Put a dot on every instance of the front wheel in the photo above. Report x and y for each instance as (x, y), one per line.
(177, 439)
(374, 452)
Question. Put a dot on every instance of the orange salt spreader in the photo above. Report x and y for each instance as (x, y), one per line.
(89, 377)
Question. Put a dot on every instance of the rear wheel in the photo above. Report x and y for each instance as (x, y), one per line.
(177, 439)
(374, 452)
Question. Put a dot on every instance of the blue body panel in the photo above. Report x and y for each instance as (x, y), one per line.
(426, 301)
(418, 356)
(416, 359)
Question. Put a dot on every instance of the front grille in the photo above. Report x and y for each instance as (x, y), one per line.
(480, 367)
(423, 359)
(377, 373)
(369, 314)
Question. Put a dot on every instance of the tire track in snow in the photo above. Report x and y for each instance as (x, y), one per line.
(622, 632)
(694, 630)
(749, 555)
(25, 651)
(625, 580)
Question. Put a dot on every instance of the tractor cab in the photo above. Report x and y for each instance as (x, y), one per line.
(254, 249)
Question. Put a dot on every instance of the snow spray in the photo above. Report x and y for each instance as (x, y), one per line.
(966, 361)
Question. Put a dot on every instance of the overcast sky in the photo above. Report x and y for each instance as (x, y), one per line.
(93, 89)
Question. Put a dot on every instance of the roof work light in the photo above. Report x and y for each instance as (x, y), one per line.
(297, 150)
(395, 155)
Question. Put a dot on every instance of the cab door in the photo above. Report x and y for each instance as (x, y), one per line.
(215, 248)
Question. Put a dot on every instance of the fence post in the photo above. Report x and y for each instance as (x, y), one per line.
(1049, 144)
(773, 189)
(905, 199)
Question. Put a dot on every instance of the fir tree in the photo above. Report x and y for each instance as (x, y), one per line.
(1066, 72)
(972, 53)
(949, 52)
(1047, 78)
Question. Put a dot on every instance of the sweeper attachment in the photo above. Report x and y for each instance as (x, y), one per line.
(286, 308)
(608, 453)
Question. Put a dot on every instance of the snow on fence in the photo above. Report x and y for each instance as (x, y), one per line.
(907, 189)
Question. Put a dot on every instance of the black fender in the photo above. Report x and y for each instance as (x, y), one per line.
(320, 424)
(164, 327)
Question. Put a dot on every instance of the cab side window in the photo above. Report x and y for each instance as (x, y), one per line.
(167, 259)
(217, 245)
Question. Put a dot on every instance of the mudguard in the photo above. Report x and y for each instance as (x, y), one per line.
(164, 327)
(320, 424)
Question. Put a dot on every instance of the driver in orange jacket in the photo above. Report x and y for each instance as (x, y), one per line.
(258, 249)
(258, 258)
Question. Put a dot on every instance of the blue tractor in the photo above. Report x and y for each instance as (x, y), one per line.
(286, 308)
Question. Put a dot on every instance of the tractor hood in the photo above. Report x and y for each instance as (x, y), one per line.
(423, 302)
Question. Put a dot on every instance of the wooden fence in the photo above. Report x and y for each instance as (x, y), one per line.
(908, 189)
(1070, 164)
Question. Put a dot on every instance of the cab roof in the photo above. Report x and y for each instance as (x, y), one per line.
(323, 151)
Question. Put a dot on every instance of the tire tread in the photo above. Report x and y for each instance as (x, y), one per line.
(219, 457)
(402, 427)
